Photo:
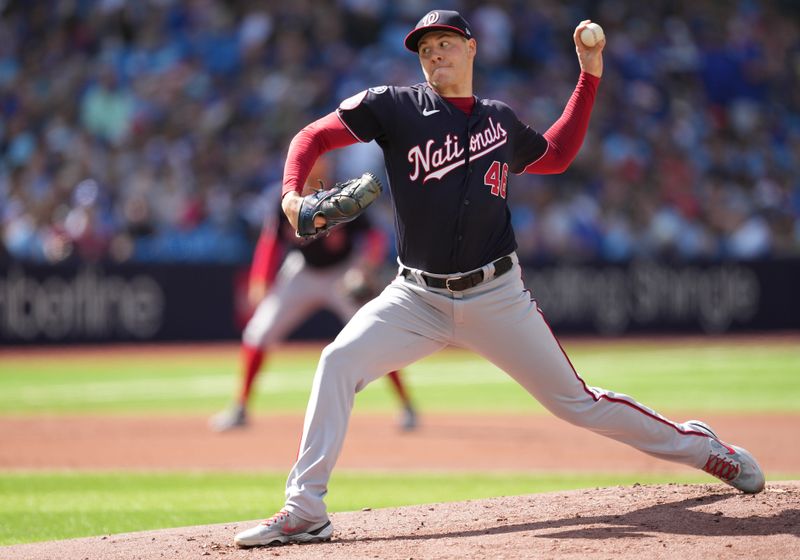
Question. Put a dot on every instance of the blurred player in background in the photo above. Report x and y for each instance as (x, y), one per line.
(335, 272)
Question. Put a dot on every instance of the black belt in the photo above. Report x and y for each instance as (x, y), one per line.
(461, 283)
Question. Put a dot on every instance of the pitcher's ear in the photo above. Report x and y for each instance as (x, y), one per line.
(472, 46)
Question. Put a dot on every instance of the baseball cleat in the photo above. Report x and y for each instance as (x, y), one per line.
(732, 465)
(408, 420)
(229, 419)
(283, 528)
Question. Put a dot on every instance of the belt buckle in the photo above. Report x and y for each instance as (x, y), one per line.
(447, 283)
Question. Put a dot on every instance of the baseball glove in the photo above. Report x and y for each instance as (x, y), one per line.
(341, 203)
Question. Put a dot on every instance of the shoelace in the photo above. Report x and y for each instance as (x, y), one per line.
(280, 516)
(722, 468)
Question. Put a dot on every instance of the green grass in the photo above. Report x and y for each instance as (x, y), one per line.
(60, 505)
(715, 377)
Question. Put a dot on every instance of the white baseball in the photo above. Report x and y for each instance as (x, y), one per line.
(592, 34)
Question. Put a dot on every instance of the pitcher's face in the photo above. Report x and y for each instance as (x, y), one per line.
(446, 59)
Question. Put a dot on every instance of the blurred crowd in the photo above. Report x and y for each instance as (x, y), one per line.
(149, 130)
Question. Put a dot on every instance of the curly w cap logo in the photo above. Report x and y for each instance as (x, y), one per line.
(429, 19)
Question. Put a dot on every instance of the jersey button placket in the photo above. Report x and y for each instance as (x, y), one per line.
(467, 178)
(462, 224)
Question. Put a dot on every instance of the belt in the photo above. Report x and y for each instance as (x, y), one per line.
(461, 283)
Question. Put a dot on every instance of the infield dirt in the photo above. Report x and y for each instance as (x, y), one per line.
(443, 442)
(660, 521)
(654, 522)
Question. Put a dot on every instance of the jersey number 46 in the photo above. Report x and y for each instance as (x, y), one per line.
(496, 178)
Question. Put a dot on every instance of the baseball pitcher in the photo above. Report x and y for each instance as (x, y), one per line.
(450, 159)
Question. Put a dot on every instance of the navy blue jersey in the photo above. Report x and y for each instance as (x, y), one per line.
(448, 172)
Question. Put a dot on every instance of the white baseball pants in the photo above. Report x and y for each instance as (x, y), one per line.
(299, 290)
(499, 321)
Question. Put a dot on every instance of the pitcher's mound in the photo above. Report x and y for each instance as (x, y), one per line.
(658, 521)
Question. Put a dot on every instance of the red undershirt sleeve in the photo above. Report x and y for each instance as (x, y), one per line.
(266, 258)
(323, 135)
(565, 137)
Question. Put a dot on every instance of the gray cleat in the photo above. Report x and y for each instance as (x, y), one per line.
(229, 419)
(732, 465)
(284, 528)
(408, 420)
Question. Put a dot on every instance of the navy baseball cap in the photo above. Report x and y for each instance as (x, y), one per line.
(441, 20)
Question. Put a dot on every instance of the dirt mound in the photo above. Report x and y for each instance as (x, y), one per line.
(658, 521)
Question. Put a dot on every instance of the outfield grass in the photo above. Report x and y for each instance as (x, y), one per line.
(60, 505)
(718, 377)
